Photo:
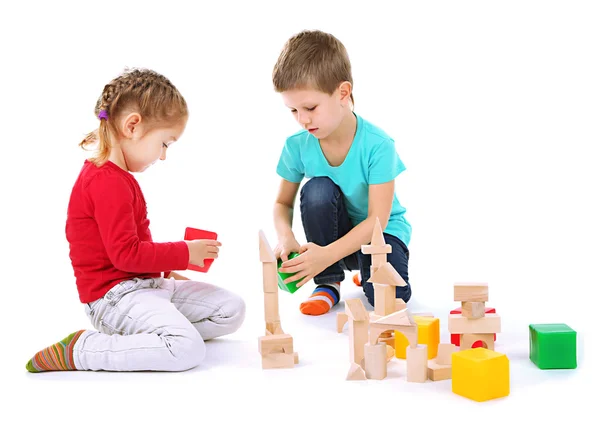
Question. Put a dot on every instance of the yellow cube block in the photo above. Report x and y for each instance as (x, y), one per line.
(428, 333)
(480, 374)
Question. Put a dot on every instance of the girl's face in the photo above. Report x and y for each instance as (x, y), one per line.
(147, 145)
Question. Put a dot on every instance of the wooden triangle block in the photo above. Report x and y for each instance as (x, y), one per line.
(356, 372)
(266, 252)
(387, 274)
(377, 238)
(356, 310)
(399, 318)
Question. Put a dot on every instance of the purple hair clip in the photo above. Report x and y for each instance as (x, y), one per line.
(103, 115)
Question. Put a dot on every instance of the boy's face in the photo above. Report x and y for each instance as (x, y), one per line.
(316, 111)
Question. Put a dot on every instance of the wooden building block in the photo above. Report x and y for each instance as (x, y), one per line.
(475, 292)
(480, 374)
(273, 328)
(388, 338)
(455, 338)
(488, 324)
(471, 341)
(437, 372)
(387, 274)
(356, 373)
(278, 360)
(269, 277)
(473, 310)
(402, 317)
(400, 304)
(444, 356)
(416, 364)
(377, 237)
(385, 299)
(428, 329)
(280, 343)
(265, 250)
(357, 337)
(355, 310)
(271, 306)
(340, 321)
(376, 249)
(375, 361)
(389, 352)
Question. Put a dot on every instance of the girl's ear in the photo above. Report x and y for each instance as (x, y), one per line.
(345, 90)
(131, 125)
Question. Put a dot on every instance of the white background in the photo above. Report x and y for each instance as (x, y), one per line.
(494, 107)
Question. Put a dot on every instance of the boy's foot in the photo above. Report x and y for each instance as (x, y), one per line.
(324, 297)
(58, 357)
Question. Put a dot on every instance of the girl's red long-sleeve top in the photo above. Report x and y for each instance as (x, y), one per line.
(109, 233)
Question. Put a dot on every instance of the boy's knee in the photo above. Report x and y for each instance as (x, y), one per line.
(317, 193)
(404, 292)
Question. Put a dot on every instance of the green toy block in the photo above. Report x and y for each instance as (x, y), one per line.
(288, 287)
(553, 346)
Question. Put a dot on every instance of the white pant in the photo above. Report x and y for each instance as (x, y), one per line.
(156, 325)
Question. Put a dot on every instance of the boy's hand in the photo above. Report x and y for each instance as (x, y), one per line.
(285, 247)
(201, 249)
(311, 262)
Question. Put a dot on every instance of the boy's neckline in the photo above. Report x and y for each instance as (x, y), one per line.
(357, 126)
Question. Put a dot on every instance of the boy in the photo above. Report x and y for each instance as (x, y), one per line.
(351, 165)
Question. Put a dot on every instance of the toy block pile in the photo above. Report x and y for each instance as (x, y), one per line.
(475, 327)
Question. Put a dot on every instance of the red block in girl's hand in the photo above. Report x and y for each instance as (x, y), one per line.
(190, 234)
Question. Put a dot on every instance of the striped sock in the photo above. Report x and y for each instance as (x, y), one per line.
(322, 299)
(356, 279)
(58, 357)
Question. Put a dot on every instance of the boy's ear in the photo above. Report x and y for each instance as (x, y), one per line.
(345, 89)
(131, 125)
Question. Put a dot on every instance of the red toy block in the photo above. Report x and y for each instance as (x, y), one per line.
(455, 338)
(192, 233)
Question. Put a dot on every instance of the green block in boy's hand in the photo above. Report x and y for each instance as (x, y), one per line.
(288, 287)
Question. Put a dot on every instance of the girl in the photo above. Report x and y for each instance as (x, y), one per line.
(144, 321)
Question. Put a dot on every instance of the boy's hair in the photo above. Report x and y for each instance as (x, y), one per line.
(312, 58)
(144, 91)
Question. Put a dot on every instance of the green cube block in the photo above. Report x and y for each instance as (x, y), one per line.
(288, 287)
(553, 346)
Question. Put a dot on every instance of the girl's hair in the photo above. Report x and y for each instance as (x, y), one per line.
(312, 59)
(144, 91)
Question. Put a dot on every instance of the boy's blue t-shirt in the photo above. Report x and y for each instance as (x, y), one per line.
(372, 159)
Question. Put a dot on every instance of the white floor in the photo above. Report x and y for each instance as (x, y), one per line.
(230, 389)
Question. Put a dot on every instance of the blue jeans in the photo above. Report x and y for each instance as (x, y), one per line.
(325, 219)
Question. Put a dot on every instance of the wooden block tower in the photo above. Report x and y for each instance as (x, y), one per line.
(275, 347)
(371, 335)
(475, 326)
(384, 287)
(384, 292)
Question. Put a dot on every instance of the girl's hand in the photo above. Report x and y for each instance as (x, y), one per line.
(285, 247)
(311, 262)
(201, 249)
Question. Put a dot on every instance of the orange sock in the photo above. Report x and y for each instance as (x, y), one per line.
(356, 279)
(324, 297)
